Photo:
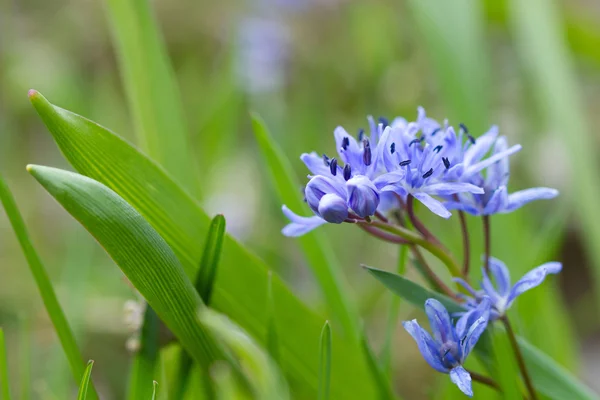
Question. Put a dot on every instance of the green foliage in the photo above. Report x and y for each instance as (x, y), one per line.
(145, 361)
(4, 378)
(239, 292)
(325, 362)
(85, 381)
(55, 312)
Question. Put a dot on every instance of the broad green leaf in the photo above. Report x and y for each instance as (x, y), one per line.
(506, 371)
(261, 372)
(272, 339)
(318, 253)
(85, 381)
(544, 370)
(141, 253)
(241, 287)
(4, 378)
(145, 362)
(204, 286)
(382, 381)
(55, 312)
(325, 362)
(151, 88)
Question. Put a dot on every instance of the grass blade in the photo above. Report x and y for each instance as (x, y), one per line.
(140, 252)
(55, 312)
(272, 339)
(204, 286)
(319, 255)
(154, 389)
(325, 362)
(24, 358)
(4, 378)
(151, 88)
(144, 365)
(377, 373)
(239, 292)
(85, 381)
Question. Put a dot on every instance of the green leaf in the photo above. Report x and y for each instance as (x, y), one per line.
(241, 288)
(261, 372)
(325, 362)
(141, 253)
(154, 389)
(506, 371)
(272, 339)
(85, 381)
(4, 378)
(55, 312)
(144, 365)
(316, 249)
(377, 373)
(204, 286)
(548, 377)
(151, 87)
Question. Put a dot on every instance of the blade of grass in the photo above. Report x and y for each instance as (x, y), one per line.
(154, 389)
(85, 381)
(4, 378)
(151, 88)
(55, 312)
(319, 255)
(272, 339)
(239, 292)
(24, 358)
(382, 381)
(204, 286)
(145, 362)
(141, 253)
(325, 362)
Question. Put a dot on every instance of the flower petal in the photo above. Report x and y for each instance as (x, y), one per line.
(500, 157)
(465, 285)
(321, 185)
(363, 196)
(440, 321)
(315, 163)
(475, 323)
(522, 197)
(533, 278)
(498, 201)
(501, 276)
(352, 154)
(434, 206)
(390, 181)
(446, 189)
(498, 173)
(427, 346)
(481, 146)
(300, 225)
(461, 378)
(333, 208)
(463, 206)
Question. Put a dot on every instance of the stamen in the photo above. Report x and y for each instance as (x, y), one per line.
(367, 152)
(464, 128)
(414, 141)
(361, 134)
(345, 142)
(471, 139)
(333, 166)
(404, 163)
(325, 160)
(384, 122)
(393, 148)
(437, 149)
(428, 173)
(347, 171)
(436, 130)
(446, 162)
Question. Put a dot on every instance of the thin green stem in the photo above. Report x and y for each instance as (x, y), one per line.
(4, 379)
(519, 357)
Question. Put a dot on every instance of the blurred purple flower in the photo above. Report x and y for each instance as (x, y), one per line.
(502, 295)
(450, 345)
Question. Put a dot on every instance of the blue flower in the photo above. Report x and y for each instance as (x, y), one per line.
(495, 199)
(450, 345)
(503, 295)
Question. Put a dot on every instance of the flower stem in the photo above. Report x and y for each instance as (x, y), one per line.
(383, 235)
(485, 380)
(519, 357)
(466, 242)
(487, 237)
(434, 280)
(417, 222)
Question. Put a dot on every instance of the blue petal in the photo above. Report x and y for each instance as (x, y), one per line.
(500, 158)
(434, 206)
(300, 225)
(427, 347)
(490, 290)
(481, 146)
(352, 154)
(315, 164)
(533, 278)
(447, 189)
(522, 197)
(390, 181)
(463, 206)
(498, 173)
(461, 378)
(501, 276)
(318, 187)
(439, 319)
(475, 324)
(363, 197)
(465, 285)
(427, 125)
(497, 202)
(333, 208)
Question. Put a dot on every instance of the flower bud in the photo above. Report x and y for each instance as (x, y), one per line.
(326, 197)
(363, 197)
(333, 208)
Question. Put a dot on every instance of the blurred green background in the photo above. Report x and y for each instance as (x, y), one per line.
(307, 66)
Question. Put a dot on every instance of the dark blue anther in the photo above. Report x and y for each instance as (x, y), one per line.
(436, 130)
(345, 142)
(437, 149)
(384, 121)
(404, 163)
(414, 141)
(464, 128)
(393, 148)
(361, 134)
(428, 173)
(347, 171)
(333, 167)
(325, 160)
(446, 162)
(471, 139)
(367, 152)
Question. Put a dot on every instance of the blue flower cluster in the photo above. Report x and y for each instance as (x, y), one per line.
(422, 159)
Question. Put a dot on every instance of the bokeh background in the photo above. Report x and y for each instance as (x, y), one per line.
(307, 66)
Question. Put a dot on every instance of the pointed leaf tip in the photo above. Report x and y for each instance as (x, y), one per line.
(32, 93)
